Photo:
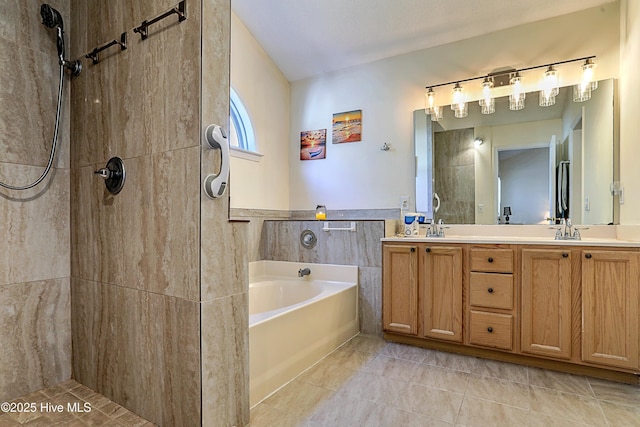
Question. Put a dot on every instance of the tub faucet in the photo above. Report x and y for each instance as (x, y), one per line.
(304, 272)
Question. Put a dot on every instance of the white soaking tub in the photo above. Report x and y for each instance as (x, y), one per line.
(296, 321)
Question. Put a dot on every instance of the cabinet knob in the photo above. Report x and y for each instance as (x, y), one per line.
(427, 250)
(490, 329)
(565, 255)
(490, 259)
(587, 256)
(490, 290)
(413, 249)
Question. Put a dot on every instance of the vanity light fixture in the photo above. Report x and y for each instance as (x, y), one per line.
(430, 103)
(582, 91)
(458, 103)
(550, 87)
(548, 92)
(487, 103)
(517, 96)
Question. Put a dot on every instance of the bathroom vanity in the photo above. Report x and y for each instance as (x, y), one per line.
(564, 305)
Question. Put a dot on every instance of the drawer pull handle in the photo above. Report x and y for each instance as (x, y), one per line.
(427, 250)
(490, 290)
(565, 255)
(490, 329)
(490, 259)
(587, 256)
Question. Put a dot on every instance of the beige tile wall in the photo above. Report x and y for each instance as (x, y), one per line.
(35, 335)
(159, 288)
(281, 242)
(224, 249)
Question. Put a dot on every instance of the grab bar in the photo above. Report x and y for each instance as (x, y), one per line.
(327, 228)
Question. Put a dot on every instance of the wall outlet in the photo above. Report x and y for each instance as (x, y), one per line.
(480, 208)
(587, 204)
(404, 203)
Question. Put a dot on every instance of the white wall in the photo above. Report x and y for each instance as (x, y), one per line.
(629, 110)
(525, 185)
(497, 138)
(361, 176)
(265, 92)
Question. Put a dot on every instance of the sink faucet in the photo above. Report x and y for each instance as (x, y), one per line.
(436, 230)
(569, 233)
(304, 272)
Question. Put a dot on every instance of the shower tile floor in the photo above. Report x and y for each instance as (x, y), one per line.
(370, 382)
(103, 411)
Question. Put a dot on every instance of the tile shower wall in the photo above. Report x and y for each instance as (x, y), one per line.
(158, 277)
(35, 331)
(281, 242)
(224, 275)
(454, 176)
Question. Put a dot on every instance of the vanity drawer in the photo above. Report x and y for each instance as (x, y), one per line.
(491, 290)
(492, 260)
(491, 330)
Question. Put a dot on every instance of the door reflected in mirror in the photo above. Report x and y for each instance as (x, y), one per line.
(575, 138)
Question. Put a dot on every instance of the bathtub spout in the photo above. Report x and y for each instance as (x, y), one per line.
(304, 272)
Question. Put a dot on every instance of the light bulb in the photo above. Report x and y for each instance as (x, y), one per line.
(517, 97)
(430, 101)
(487, 103)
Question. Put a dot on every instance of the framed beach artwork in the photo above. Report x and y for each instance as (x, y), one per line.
(313, 144)
(347, 127)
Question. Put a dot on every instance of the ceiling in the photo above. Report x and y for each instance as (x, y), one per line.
(306, 38)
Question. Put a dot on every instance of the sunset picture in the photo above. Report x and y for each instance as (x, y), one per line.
(347, 126)
(313, 144)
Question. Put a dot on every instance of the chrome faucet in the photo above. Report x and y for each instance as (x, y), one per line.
(304, 272)
(436, 230)
(568, 232)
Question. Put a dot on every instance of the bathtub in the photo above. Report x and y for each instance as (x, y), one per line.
(294, 322)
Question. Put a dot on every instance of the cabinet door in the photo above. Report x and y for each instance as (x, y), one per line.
(610, 308)
(441, 292)
(546, 303)
(400, 289)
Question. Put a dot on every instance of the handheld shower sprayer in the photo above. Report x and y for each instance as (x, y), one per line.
(51, 18)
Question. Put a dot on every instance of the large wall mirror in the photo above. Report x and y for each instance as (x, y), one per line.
(540, 163)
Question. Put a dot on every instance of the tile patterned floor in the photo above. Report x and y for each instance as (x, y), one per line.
(103, 412)
(369, 382)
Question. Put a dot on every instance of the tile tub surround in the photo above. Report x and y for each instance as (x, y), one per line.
(281, 242)
(35, 349)
(371, 382)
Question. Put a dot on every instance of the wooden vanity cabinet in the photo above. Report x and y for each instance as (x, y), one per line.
(400, 288)
(566, 307)
(546, 302)
(610, 308)
(440, 277)
(492, 309)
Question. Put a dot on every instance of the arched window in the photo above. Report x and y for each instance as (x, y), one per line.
(242, 139)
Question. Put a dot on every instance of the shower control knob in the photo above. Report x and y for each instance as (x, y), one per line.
(113, 175)
(103, 173)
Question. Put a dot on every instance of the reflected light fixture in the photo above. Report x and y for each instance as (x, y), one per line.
(478, 141)
(487, 103)
(516, 99)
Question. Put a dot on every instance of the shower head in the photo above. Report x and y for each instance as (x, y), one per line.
(51, 17)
